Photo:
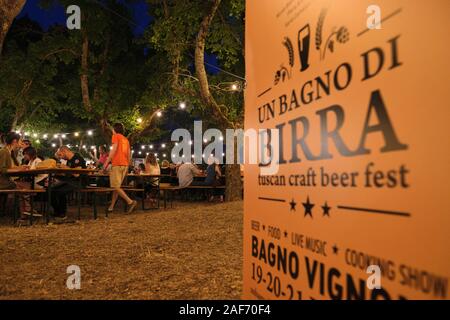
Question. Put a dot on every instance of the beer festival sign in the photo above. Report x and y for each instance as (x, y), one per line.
(358, 93)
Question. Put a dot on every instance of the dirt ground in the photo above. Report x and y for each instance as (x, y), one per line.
(193, 251)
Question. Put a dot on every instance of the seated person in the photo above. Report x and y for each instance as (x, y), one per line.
(6, 160)
(67, 184)
(213, 175)
(7, 164)
(30, 157)
(20, 156)
(151, 168)
(165, 167)
(186, 173)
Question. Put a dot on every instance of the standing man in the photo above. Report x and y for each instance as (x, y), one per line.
(120, 158)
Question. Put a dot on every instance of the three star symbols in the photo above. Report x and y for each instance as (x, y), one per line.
(308, 208)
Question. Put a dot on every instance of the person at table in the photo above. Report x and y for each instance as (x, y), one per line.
(165, 167)
(6, 160)
(31, 157)
(151, 168)
(120, 159)
(100, 161)
(213, 175)
(186, 172)
(66, 184)
(25, 143)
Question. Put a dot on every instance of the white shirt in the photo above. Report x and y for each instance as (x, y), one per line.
(33, 164)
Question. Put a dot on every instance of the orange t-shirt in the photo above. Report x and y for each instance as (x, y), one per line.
(122, 152)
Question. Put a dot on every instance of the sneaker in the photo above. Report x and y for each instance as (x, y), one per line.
(35, 213)
(132, 207)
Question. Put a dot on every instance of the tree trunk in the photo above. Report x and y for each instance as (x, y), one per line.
(9, 9)
(233, 182)
(232, 172)
(200, 43)
(84, 73)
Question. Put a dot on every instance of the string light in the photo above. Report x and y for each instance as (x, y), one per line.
(143, 147)
(151, 146)
(35, 135)
(159, 114)
(63, 136)
(55, 136)
(53, 145)
(90, 133)
(45, 136)
(139, 120)
(164, 155)
(234, 87)
(163, 145)
(76, 134)
(182, 105)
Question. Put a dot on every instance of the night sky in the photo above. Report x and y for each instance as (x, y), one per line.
(56, 15)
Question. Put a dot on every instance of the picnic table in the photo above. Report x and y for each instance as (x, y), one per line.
(51, 172)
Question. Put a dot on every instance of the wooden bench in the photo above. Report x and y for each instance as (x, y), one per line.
(207, 190)
(16, 193)
(95, 191)
(167, 188)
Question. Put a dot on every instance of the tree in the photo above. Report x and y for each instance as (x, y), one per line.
(93, 76)
(184, 31)
(9, 9)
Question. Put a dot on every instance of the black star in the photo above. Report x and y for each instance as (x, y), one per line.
(326, 210)
(285, 234)
(308, 207)
(293, 204)
(335, 249)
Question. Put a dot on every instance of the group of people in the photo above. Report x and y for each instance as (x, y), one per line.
(18, 154)
(118, 158)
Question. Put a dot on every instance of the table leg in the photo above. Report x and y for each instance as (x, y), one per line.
(79, 198)
(49, 198)
(31, 199)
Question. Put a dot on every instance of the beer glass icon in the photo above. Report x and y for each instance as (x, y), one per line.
(304, 38)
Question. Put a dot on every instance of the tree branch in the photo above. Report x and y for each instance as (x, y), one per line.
(200, 44)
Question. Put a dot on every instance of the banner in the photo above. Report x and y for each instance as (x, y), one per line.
(359, 93)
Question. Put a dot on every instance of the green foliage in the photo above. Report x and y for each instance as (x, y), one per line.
(174, 32)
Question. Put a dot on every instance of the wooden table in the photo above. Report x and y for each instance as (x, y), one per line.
(51, 172)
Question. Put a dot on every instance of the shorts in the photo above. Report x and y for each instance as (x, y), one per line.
(116, 176)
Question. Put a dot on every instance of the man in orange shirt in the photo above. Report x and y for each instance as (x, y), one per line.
(120, 158)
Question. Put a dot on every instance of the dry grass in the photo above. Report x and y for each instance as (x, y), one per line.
(193, 251)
